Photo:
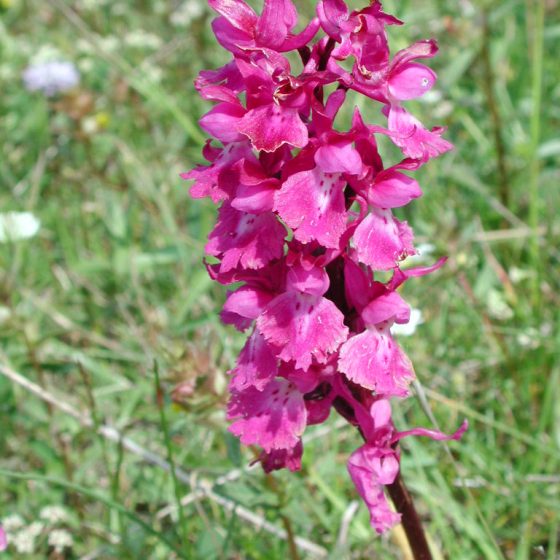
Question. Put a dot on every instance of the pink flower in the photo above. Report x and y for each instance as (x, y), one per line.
(3, 539)
(416, 141)
(273, 418)
(302, 323)
(245, 240)
(371, 468)
(239, 28)
(305, 225)
(373, 359)
(382, 240)
(257, 364)
(219, 179)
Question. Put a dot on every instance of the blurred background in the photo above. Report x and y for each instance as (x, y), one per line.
(107, 312)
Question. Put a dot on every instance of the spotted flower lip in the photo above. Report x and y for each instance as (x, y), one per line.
(308, 218)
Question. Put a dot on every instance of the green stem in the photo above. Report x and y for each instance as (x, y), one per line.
(497, 123)
(286, 522)
(170, 458)
(534, 169)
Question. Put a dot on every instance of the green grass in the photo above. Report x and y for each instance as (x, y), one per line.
(114, 281)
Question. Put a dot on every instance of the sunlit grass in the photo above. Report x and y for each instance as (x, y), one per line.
(114, 280)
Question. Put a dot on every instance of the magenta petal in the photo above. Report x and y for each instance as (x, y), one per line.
(277, 19)
(256, 365)
(434, 434)
(356, 285)
(339, 157)
(270, 126)
(3, 539)
(332, 14)
(401, 276)
(314, 280)
(312, 204)
(218, 180)
(255, 199)
(415, 141)
(387, 307)
(393, 190)
(304, 326)
(426, 48)
(244, 305)
(230, 37)
(273, 418)
(410, 81)
(381, 240)
(282, 459)
(246, 240)
(370, 469)
(375, 361)
(221, 122)
(381, 413)
(294, 42)
(237, 12)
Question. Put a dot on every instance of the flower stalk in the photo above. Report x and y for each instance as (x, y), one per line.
(410, 519)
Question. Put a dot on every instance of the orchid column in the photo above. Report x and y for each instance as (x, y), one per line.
(305, 222)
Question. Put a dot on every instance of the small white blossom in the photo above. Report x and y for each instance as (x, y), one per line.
(51, 77)
(53, 514)
(18, 225)
(109, 43)
(35, 529)
(13, 522)
(141, 39)
(23, 542)
(186, 13)
(409, 328)
(92, 4)
(150, 72)
(60, 539)
(46, 53)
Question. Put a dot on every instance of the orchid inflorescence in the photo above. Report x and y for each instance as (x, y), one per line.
(305, 222)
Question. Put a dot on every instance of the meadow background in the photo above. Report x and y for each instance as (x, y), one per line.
(108, 307)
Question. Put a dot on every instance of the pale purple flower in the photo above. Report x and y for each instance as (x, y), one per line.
(51, 78)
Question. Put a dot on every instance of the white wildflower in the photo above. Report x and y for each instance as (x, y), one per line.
(35, 529)
(18, 225)
(53, 514)
(186, 13)
(23, 542)
(51, 77)
(46, 53)
(89, 125)
(5, 314)
(497, 305)
(409, 328)
(141, 39)
(60, 539)
(13, 522)
(109, 43)
(151, 73)
(92, 4)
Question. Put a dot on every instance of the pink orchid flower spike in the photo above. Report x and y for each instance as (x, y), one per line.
(308, 223)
